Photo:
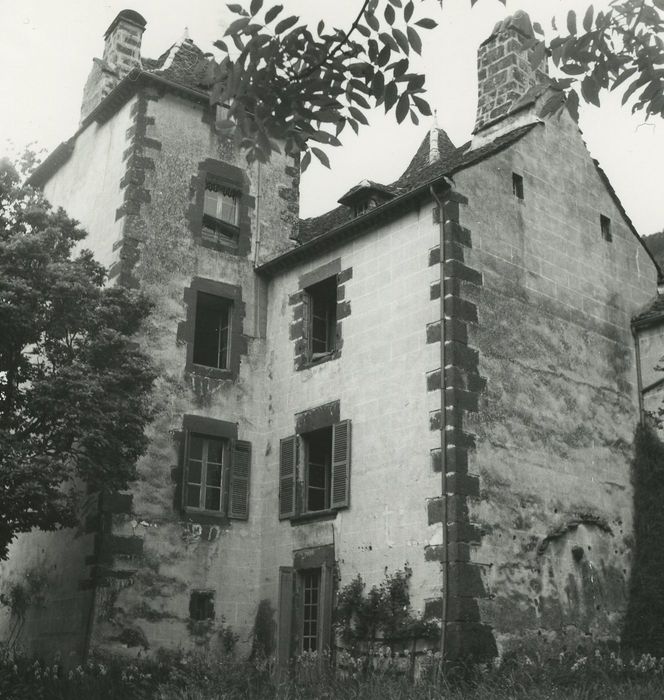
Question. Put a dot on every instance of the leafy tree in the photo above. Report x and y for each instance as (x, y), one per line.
(280, 80)
(74, 388)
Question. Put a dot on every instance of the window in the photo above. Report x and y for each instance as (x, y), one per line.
(201, 605)
(212, 331)
(216, 470)
(205, 463)
(517, 185)
(605, 227)
(322, 321)
(220, 215)
(310, 611)
(305, 603)
(320, 461)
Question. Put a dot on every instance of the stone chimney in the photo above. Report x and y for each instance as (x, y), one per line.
(504, 71)
(122, 53)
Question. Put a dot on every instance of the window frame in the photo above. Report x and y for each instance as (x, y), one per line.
(237, 342)
(223, 486)
(231, 178)
(306, 465)
(235, 472)
(517, 187)
(228, 309)
(605, 228)
(313, 296)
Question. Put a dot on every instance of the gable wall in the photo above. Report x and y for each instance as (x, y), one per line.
(556, 420)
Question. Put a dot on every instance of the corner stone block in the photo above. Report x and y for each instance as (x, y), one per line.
(465, 580)
(470, 641)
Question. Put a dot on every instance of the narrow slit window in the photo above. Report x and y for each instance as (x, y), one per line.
(212, 331)
(311, 609)
(605, 227)
(517, 185)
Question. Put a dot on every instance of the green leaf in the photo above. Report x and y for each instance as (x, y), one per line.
(364, 31)
(273, 12)
(426, 23)
(285, 24)
(358, 115)
(422, 105)
(384, 55)
(590, 90)
(408, 10)
(236, 26)
(573, 69)
(237, 9)
(402, 108)
(378, 85)
(413, 117)
(572, 103)
(537, 28)
(401, 40)
(396, 3)
(322, 157)
(391, 95)
(571, 22)
(588, 18)
(553, 104)
(388, 41)
(255, 7)
(390, 15)
(624, 76)
(372, 21)
(221, 45)
(304, 163)
(414, 39)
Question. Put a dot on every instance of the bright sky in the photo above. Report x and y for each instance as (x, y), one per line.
(47, 46)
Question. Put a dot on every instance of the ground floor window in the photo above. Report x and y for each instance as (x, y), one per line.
(310, 611)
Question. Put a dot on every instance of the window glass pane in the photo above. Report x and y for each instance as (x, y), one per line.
(195, 447)
(213, 475)
(193, 497)
(212, 498)
(215, 450)
(228, 209)
(210, 203)
(194, 472)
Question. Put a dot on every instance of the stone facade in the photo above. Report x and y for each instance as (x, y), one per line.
(505, 477)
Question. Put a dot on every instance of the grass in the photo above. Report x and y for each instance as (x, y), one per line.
(601, 675)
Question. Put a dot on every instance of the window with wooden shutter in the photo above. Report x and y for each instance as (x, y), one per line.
(287, 475)
(240, 472)
(340, 497)
(285, 617)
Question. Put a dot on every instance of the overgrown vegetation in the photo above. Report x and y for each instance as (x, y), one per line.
(644, 624)
(381, 617)
(175, 676)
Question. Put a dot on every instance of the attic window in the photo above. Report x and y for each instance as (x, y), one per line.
(517, 185)
(605, 227)
(364, 206)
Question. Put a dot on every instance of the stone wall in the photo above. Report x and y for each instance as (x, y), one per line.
(556, 421)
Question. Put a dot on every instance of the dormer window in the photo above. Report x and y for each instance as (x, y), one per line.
(366, 196)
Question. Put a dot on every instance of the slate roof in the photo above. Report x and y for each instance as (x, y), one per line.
(418, 173)
(183, 63)
(652, 313)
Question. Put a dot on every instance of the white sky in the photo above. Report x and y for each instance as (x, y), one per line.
(47, 46)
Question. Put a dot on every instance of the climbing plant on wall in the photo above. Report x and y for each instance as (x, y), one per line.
(644, 623)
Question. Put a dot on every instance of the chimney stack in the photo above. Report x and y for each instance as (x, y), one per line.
(122, 53)
(503, 69)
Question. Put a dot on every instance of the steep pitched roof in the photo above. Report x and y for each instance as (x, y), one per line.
(183, 63)
(418, 172)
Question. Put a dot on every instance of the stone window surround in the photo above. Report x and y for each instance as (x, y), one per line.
(298, 330)
(237, 341)
(234, 178)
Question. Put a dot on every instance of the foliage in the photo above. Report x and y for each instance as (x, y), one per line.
(281, 80)
(74, 387)
(644, 625)
(598, 674)
(383, 615)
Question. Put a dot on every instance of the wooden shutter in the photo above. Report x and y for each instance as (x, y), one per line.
(185, 469)
(285, 624)
(326, 605)
(340, 497)
(240, 471)
(287, 472)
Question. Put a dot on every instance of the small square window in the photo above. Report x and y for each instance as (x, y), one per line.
(221, 211)
(322, 323)
(605, 227)
(204, 473)
(318, 469)
(201, 605)
(517, 185)
(212, 331)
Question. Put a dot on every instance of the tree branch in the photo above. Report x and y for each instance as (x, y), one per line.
(337, 48)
